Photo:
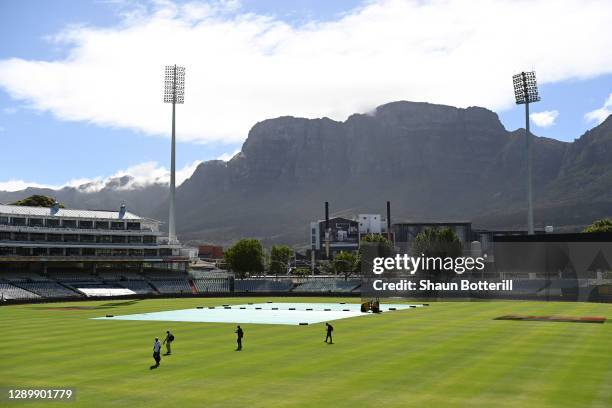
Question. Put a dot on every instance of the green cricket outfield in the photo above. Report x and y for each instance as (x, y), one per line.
(450, 354)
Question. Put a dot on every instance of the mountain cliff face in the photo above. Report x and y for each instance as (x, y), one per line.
(431, 161)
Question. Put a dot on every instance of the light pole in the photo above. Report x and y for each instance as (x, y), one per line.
(174, 92)
(525, 92)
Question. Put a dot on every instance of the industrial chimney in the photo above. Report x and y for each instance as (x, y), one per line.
(389, 220)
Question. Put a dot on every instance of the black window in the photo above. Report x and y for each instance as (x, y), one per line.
(133, 225)
(120, 252)
(56, 251)
(6, 251)
(104, 252)
(53, 222)
(149, 239)
(21, 236)
(136, 252)
(103, 238)
(88, 251)
(73, 251)
(134, 239)
(117, 225)
(37, 237)
(118, 239)
(165, 252)
(71, 238)
(24, 251)
(88, 238)
(101, 224)
(36, 222)
(5, 236)
(69, 223)
(39, 251)
(18, 221)
(86, 224)
(150, 252)
(4, 220)
(54, 237)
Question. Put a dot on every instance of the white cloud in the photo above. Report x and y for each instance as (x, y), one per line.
(244, 67)
(227, 156)
(142, 175)
(16, 185)
(545, 118)
(601, 114)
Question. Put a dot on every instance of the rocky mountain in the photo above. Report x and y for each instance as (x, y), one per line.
(431, 161)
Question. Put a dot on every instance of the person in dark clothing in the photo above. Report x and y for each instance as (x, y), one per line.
(330, 329)
(239, 336)
(156, 355)
(168, 342)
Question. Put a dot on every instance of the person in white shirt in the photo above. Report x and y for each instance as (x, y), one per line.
(156, 350)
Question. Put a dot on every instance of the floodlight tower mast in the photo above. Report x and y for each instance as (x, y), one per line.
(525, 92)
(174, 92)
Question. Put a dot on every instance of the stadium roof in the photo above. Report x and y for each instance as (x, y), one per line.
(68, 213)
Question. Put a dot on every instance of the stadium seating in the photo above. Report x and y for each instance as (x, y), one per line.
(139, 287)
(213, 285)
(162, 275)
(48, 289)
(119, 275)
(328, 285)
(8, 292)
(262, 285)
(172, 286)
(72, 276)
(22, 277)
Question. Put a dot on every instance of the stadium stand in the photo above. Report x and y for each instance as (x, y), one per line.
(140, 287)
(119, 275)
(162, 275)
(213, 285)
(172, 286)
(72, 276)
(328, 285)
(8, 292)
(23, 277)
(48, 289)
(262, 285)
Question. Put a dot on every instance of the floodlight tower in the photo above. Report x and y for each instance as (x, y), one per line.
(174, 92)
(525, 92)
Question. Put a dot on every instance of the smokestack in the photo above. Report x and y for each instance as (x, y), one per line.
(389, 220)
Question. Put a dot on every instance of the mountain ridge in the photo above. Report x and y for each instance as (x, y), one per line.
(431, 161)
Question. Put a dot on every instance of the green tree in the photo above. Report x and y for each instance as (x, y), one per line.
(280, 256)
(438, 242)
(37, 201)
(344, 263)
(603, 225)
(245, 256)
(301, 271)
(378, 245)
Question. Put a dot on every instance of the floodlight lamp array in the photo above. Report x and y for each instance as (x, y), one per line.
(525, 88)
(174, 84)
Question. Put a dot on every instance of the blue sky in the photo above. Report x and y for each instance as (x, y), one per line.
(50, 137)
